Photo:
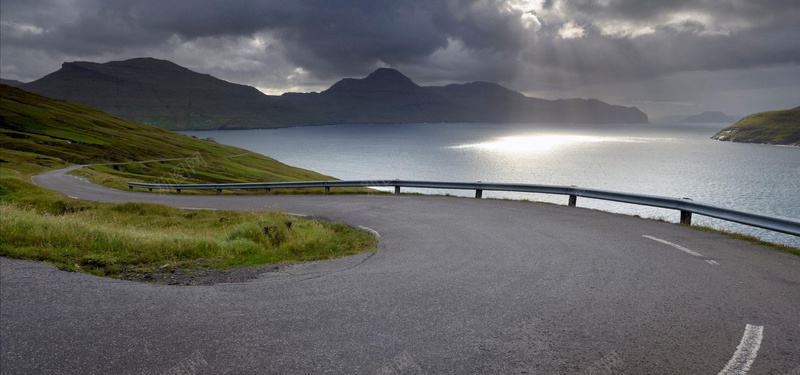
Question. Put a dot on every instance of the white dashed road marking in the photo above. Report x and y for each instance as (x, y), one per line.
(746, 351)
(681, 248)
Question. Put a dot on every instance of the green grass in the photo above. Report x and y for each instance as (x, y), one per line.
(751, 239)
(773, 127)
(39, 134)
(109, 239)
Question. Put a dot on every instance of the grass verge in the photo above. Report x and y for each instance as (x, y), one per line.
(751, 239)
(110, 239)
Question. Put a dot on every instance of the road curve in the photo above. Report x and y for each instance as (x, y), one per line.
(459, 285)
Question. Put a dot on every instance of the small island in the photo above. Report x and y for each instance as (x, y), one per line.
(773, 127)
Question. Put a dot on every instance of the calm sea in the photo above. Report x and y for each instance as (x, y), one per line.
(669, 160)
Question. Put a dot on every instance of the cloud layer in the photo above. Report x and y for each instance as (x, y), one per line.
(551, 47)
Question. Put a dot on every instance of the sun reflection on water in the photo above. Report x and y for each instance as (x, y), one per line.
(543, 142)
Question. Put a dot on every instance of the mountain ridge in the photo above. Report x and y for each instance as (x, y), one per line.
(709, 117)
(162, 93)
(10, 82)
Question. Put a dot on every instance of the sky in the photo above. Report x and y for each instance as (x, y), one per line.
(664, 57)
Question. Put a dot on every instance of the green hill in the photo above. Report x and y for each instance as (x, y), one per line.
(38, 133)
(773, 127)
(141, 241)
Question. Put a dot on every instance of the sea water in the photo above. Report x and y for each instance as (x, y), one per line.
(655, 159)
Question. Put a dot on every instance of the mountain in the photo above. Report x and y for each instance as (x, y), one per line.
(10, 82)
(709, 117)
(167, 95)
(490, 102)
(385, 96)
(774, 127)
(164, 94)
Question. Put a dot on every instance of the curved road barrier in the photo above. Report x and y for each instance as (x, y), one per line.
(685, 205)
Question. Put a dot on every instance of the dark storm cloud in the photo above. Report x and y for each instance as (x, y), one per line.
(633, 38)
(530, 45)
(331, 37)
(347, 37)
(665, 51)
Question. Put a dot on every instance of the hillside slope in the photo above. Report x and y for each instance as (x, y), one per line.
(773, 127)
(46, 132)
(144, 241)
(161, 93)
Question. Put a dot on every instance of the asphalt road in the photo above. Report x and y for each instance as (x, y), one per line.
(459, 285)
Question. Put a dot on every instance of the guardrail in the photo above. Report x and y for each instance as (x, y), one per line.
(686, 206)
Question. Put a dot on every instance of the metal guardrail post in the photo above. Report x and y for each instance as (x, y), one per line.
(686, 217)
(327, 189)
(478, 193)
(397, 189)
(573, 200)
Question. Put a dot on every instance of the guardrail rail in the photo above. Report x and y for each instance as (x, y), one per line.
(686, 206)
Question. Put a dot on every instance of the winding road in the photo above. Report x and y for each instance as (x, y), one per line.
(458, 285)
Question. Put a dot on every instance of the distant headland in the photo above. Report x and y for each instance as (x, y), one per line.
(773, 127)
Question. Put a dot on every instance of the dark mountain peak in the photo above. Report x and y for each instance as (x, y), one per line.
(709, 117)
(140, 64)
(388, 74)
(382, 79)
(484, 85)
(142, 70)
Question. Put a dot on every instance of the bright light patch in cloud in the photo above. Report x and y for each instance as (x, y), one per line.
(623, 29)
(571, 31)
(20, 29)
(526, 8)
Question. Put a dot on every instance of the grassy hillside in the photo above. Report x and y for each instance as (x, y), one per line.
(48, 133)
(774, 127)
(39, 134)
